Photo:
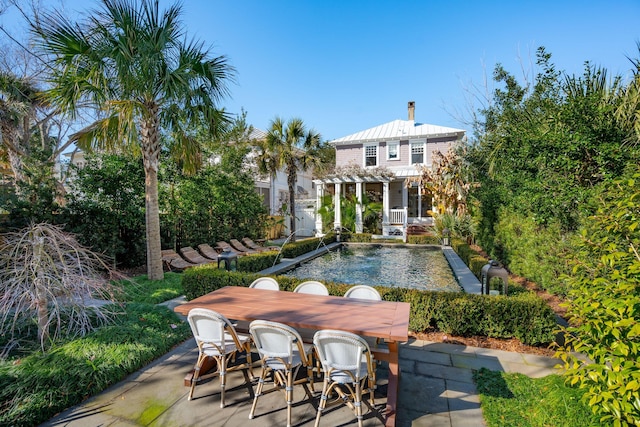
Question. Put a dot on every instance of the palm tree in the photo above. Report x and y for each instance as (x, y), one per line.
(292, 147)
(133, 65)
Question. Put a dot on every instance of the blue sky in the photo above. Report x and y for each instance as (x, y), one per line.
(345, 66)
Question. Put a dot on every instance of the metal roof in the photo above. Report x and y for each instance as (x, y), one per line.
(397, 130)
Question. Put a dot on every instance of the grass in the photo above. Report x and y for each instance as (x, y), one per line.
(515, 400)
(36, 386)
(141, 289)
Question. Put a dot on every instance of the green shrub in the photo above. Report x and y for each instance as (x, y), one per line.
(42, 385)
(301, 247)
(359, 237)
(524, 315)
(423, 240)
(257, 262)
(604, 306)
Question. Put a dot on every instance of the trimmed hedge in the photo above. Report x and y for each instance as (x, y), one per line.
(257, 262)
(523, 315)
(295, 249)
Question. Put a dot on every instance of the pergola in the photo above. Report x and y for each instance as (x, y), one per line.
(389, 216)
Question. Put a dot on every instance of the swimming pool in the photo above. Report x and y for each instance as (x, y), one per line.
(404, 267)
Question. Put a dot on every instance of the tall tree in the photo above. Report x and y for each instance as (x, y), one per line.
(133, 64)
(292, 147)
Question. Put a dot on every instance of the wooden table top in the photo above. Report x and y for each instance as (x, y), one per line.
(381, 319)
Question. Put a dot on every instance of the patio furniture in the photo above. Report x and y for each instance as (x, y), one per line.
(349, 369)
(265, 283)
(312, 287)
(282, 354)
(388, 320)
(207, 251)
(224, 246)
(256, 247)
(193, 256)
(363, 292)
(173, 261)
(240, 247)
(217, 338)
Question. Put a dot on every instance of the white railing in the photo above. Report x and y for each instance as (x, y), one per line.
(397, 216)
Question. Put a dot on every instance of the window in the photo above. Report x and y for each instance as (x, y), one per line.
(393, 151)
(417, 152)
(371, 155)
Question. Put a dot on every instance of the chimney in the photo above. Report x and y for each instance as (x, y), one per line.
(412, 110)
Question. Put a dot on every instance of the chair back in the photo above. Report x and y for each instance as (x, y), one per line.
(363, 292)
(265, 283)
(209, 327)
(276, 340)
(343, 351)
(312, 287)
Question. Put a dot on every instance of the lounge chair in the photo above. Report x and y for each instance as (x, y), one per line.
(208, 252)
(173, 261)
(224, 246)
(193, 256)
(256, 247)
(240, 247)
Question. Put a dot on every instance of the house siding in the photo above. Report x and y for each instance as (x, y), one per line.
(353, 154)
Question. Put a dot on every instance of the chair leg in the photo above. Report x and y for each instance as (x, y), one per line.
(323, 401)
(263, 375)
(358, 403)
(289, 394)
(223, 378)
(196, 374)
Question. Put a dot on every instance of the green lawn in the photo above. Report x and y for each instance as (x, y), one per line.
(36, 386)
(515, 400)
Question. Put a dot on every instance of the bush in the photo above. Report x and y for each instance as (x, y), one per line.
(295, 249)
(603, 306)
(524, 316)
(423, 240)
(42, 385)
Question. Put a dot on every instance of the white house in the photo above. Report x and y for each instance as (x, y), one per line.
(398, 147)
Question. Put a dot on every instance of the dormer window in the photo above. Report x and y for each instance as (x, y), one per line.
(371, 155)
(417, 152)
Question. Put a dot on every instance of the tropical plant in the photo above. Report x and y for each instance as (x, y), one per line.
(289, 146)
(603, 305)
(132, 64)
(447, 180)
(47, 277)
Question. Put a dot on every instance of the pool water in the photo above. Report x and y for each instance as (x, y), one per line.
(403, 267)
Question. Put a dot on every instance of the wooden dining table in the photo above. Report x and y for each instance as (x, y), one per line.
(377, 319)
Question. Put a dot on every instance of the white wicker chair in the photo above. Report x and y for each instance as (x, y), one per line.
(363, 292)
(217, 338)
(265, 283)
(312, 287)
(282, 353)
(349, 369)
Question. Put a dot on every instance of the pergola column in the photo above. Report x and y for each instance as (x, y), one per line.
(385, 204)
(319, 196)
(359, 227)
(337, 222)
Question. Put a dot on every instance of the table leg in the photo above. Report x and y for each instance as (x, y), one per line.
(392, 387)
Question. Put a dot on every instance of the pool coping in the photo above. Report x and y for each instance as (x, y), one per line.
(466, 279)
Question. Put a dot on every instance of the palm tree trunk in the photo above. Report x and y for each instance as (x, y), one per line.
(151, 155)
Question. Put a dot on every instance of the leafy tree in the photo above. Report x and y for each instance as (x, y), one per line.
(106, 207)
(217, 203)
(133, 64)
(289, 146)
(604, 305)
